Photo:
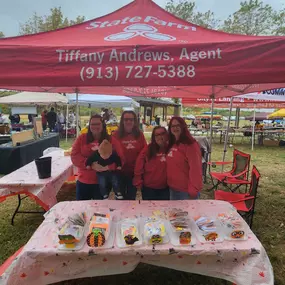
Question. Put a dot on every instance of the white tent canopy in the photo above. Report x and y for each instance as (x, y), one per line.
(101, 101)
(34, 98)
(271, 95)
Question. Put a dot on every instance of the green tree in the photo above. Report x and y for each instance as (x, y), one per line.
(253, 18)
(2, 35)
(279, 23)
(187, 11)
(55, 20)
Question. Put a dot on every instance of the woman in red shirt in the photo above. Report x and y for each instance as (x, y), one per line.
(87, 187)
(183, 162)
(131, 141)
(150, 169)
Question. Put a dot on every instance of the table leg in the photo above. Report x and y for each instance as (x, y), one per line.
(23, 212)
(16, 211)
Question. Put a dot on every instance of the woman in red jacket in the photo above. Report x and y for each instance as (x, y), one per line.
(150, 169)
(131, 141)
(183, 162)
(87, 187)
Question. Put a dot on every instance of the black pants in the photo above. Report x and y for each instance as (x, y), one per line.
(155, 194)
(128, 190)
(87, 191)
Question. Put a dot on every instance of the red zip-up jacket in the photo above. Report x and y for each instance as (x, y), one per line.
(150, 173)
(184, 168)
(79, 154)
(131, 148)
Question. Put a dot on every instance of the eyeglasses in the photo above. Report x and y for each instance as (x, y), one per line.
(96, 124)
(160, 134)
(129, 119)
(175, 126)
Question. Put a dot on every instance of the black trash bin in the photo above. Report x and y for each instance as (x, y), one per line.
(43, 167)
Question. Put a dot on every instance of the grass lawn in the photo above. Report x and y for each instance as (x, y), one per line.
(268, 224)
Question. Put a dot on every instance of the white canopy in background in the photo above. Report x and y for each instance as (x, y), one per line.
(101, 101)
(34, 98)
(270, 95)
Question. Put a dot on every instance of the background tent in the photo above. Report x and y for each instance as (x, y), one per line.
(142, 45)
(278, 114)
(257, 117)
(265, 99)
(34, 98)
(100, 101)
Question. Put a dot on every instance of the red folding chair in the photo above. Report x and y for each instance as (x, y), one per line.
(237, 175)
(244, 203)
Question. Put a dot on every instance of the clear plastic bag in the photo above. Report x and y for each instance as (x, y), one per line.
(101, 232)
(208, 229)
(128, 233)
(234, 226)
(154, 231)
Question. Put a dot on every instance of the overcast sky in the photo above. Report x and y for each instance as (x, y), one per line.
(15, 12)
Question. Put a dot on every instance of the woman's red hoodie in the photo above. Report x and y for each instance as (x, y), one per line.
(184, 168)
(131, 148)
(80, 152)
(150, 173)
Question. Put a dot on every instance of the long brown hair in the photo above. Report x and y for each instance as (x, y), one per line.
(104, 134)
(153, 147)
(136, 129)
(185, 137)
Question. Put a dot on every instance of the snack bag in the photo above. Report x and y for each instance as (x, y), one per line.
(99, 229)
(154, 231)
(233, 226)
(207, 228)
(72, 231)
(129, 232)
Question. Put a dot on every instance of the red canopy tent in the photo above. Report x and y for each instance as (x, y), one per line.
(142, 45)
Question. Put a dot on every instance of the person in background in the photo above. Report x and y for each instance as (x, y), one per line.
(131, 140)
(112, 116)
(3, 119)
(258, 125)
(51, 119)
(150, 169)
(44, 119)
(87, 187)
(60, 118)
(106, 115)
(183, 162)
(12, 119)
(17, 118)
(30, 118)
(71, 118)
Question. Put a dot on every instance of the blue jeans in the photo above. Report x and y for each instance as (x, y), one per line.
(128, 190)
(155, 194)
(87, 191)
(178, 195)
(104, 179)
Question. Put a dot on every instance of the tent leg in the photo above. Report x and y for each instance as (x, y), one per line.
(211, 126)
(77, 114)
(253, 128)
(66, 123)
(227, 132)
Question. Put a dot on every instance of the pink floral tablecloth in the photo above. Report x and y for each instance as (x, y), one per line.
(40, 262)
(25, 181)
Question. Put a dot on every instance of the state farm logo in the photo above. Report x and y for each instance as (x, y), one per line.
(142, 30)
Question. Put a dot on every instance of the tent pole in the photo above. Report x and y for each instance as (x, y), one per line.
(211, 125)
(66, 122)
(227, 132)
(77, 114)
(253, 128)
